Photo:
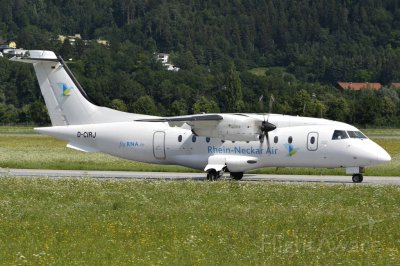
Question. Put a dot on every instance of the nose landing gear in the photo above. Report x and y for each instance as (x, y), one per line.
(357, 178)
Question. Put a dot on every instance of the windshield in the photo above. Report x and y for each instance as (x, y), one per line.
(339, 134)
(356, 135)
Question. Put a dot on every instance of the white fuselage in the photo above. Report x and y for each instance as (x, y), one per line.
(297, 142)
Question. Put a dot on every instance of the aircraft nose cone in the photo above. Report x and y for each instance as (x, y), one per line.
(384, 157)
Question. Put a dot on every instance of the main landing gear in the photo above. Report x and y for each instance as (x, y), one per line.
(237, 175)
(357, 178)
(213, 175)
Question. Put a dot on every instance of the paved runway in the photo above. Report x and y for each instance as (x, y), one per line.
(293, 179)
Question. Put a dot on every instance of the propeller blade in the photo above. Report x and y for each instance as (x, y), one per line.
(267, 137)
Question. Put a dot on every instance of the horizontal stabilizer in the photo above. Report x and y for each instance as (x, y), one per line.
(80, 147)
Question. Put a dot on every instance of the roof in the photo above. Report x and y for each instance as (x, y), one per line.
(395, 85)
(356, 86)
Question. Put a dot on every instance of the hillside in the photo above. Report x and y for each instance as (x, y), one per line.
(305, 46)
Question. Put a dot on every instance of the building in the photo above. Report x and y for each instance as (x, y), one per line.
(103, 42)
(164, 59)
(356, 86)
(72, 38)
(12, 45)
(395, 85)
(5, 45)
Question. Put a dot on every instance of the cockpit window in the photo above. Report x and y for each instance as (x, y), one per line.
(356, 135)
(339, 134)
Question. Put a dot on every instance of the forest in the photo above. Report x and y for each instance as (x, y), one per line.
(281, 56)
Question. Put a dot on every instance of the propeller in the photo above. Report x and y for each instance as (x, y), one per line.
(265, 126)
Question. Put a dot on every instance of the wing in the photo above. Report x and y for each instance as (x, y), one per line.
(210, 120)
(234, 127)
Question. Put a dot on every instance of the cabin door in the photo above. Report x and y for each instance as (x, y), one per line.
(159, 145)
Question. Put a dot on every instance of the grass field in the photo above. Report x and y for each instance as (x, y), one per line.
(16, 130)
(41, 152)
(108, 222)
(82, 221)
(382, 132)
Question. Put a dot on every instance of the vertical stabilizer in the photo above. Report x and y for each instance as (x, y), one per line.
(65, 99)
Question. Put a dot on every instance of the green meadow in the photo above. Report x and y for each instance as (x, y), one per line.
(16, 130)
(124, 222)
(83, 221)
(41, 152)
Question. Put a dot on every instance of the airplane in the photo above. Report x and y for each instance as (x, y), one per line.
(215, 143)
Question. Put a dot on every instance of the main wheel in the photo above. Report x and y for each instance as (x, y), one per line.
(237, 175)
(357, 178)
(212, 175)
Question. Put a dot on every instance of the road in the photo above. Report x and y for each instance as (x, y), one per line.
(291, 179)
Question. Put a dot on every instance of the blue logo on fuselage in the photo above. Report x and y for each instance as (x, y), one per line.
(291, 149)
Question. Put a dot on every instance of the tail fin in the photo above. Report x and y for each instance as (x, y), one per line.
(65, 99)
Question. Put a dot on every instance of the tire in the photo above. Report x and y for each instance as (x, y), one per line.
(237, 175)
(212, 175)
(357, 178)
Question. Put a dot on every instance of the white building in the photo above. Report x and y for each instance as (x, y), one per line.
(164, 59)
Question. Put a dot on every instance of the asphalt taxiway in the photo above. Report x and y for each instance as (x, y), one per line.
(324, 179)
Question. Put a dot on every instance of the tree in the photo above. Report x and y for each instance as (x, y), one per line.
(178, 107)
(338, 108)
(8, 113)
(38, 113)
(66, 49)
(119, 105)
(234, 96)
(203, 105)
(145, 105)
(302, 103)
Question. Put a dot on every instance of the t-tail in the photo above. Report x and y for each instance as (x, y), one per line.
(66, 101)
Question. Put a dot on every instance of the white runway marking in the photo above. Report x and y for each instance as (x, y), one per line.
(371, 180)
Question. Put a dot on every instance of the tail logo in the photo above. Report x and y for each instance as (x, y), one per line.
(66, 90)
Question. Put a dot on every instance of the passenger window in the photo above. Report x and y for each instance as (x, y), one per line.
(339, 134)
(356, 135)
(276, 139)
(312, 140)
(180, 138)
(290, 140)
(194, 138)
(208, 139)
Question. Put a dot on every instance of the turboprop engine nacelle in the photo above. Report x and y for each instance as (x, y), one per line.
(234, 127)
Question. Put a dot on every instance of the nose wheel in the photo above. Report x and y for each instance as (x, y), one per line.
(357, 178)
